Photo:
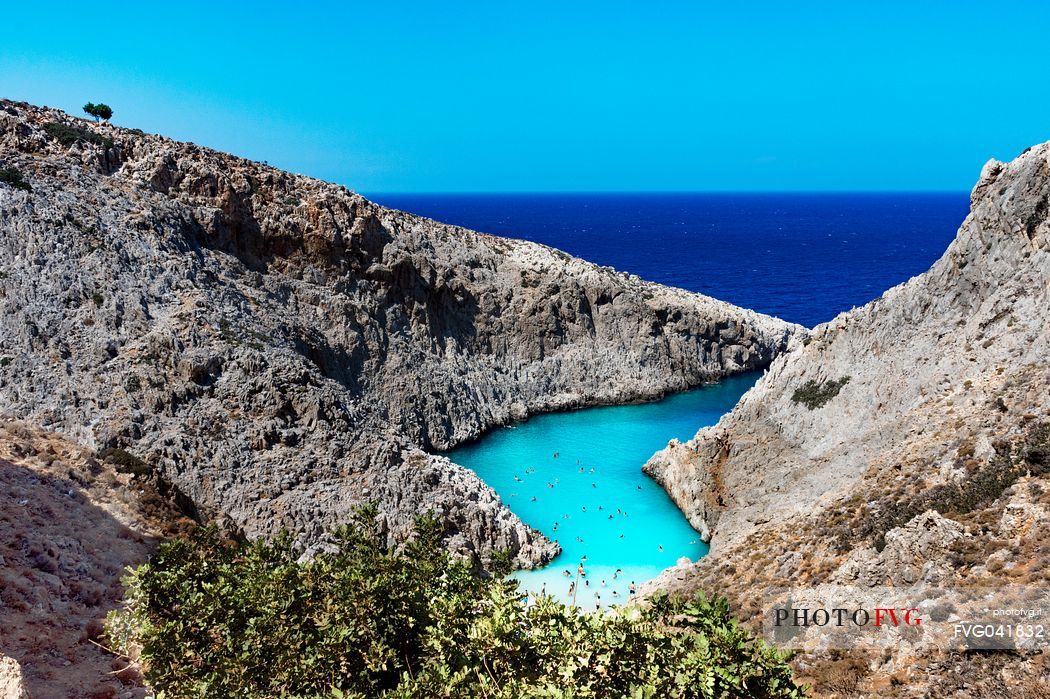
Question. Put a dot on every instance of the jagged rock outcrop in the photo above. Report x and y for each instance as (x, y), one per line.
(906, 443)
(12, 685)
(904, 369)
(282, 349)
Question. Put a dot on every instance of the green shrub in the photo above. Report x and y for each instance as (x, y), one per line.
(13, 177)
(218, 619)
(68, 135)
(979, 489)
(813, 394)
(125, 462)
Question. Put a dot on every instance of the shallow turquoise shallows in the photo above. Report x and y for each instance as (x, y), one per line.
(576, 476)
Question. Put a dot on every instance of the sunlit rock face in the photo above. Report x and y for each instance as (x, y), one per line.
(284, 350)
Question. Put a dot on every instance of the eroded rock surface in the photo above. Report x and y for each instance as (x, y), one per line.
(283, 349)
(12, 684)
(906, 443)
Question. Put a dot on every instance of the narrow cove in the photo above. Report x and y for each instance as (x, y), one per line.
(576, 476)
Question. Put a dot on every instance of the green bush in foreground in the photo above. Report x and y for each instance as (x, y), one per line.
(215, 619)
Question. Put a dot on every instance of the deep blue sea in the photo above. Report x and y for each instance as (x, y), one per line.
(802, 257)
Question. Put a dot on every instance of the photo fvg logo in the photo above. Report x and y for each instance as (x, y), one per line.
(799, 617)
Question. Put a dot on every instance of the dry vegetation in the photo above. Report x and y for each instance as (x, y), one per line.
(996, 486)
(69, 524)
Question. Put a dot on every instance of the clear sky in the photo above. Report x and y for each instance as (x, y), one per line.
(565, 96)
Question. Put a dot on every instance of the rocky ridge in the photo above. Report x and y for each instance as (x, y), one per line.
(905, 444)
(282, 349)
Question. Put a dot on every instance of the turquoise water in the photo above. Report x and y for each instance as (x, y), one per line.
(576, 476)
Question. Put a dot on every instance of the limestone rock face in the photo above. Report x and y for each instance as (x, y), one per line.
(283, 349)
(12, 686)
(915, 374)
(914, 553)
(903, 446)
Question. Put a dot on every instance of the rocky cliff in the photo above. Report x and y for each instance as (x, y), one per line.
(927, 410)
(282, 349)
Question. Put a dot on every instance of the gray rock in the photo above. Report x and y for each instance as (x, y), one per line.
(283, 349)
(928, 366)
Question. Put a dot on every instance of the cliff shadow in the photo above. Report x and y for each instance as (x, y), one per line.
(62, 555)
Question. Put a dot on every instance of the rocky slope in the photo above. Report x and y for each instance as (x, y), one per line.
(904, 444)
(69, 525)
(282, 349)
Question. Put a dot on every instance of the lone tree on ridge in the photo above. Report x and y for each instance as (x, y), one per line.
(99, 111)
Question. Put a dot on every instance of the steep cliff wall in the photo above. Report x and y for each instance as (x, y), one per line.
(905, 443)
(283, 349)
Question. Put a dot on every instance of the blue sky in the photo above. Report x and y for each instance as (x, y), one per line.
(566, 96)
